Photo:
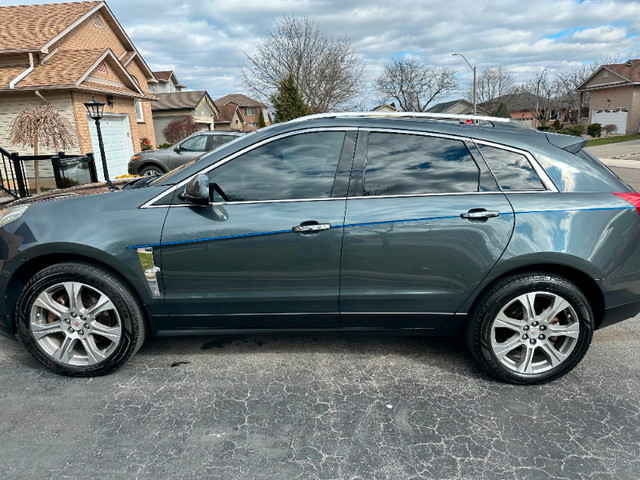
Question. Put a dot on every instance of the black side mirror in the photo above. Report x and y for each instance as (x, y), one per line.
(176, 149)
(197, 191)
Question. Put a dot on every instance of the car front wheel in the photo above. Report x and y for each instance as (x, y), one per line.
(151, 171)
(79, 319)
(530, 328)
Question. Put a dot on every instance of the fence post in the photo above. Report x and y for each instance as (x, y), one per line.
(19, 174)
(55, 162)
(93, 171)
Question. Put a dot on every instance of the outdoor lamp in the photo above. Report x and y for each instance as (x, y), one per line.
(94, 108)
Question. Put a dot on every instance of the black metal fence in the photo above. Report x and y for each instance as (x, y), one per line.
(17, 172)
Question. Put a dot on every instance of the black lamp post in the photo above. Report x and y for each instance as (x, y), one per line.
(95, 109)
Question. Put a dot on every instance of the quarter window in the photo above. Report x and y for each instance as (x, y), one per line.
(402, 164)
(296, 167)
(512, 170)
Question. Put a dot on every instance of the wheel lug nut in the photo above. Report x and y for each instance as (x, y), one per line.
(81, 332)
(541, 337)
(525, 336)
(74, 314)
(532, 341)
(542, 327)
(86, 325)
(66, 320)
(535, 324)
(70, 330)
(526, 327)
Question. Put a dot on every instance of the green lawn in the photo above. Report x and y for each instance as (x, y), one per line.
(605, 140)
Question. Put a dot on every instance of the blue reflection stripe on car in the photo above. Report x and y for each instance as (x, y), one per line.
(197, 240)
(387, 222)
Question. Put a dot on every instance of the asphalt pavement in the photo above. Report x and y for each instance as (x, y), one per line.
(321, 407)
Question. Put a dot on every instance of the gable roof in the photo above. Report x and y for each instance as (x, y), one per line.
(626, 73)
(444, 106)
(37, 28)
(240, 100)
(164, 76)
(516, 102)
(182, 101)
(227, 112)
(72, 69)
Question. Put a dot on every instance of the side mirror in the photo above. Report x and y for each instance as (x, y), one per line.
(197, 191)
(176, 149)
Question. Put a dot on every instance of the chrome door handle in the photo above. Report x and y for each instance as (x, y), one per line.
(480, 214)
(315, 227)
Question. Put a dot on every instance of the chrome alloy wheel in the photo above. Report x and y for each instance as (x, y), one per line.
(534, 332)
(75, 324)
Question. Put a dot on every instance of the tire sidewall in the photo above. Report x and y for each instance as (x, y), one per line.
(542, 283)
(94, 278)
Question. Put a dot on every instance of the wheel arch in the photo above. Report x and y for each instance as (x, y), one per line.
(151, 163)
(582, 280)
(22, 274)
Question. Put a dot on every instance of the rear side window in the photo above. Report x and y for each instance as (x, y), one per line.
(402, 164)
(512, 170)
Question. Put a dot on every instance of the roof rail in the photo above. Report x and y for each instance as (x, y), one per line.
(435, 116)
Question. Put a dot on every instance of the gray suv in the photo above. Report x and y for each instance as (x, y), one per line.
(519, 241)
(159, 162)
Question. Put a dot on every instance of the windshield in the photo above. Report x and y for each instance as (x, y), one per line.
(171, 173)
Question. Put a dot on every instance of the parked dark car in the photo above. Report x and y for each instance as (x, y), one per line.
(519, 240)
(159, 162)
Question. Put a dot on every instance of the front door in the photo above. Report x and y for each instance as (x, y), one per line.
(266, 252)
(425, 223)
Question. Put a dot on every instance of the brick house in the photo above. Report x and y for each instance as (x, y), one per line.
(65, 53)
(614, 96)
(239, 112)
(167, 82)
(171, 106)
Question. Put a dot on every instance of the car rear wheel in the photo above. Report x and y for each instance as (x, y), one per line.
(79, 320)
(151, 170)
(530, 328)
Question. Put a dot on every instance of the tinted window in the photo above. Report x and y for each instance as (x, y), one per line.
(400, 164)
(512, 170)
(195, 144)
(301, 166)
(217, 140)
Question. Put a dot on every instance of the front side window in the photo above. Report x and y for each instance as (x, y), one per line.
(512, 170)
(195, 144)
(296, 167)
(404, 164)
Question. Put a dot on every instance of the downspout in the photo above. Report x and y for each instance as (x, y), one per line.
(13, 82)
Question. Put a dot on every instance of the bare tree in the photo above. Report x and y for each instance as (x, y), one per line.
(326, 70)
(541, 95)
(412, 84)
(491, 84)
(41, 125)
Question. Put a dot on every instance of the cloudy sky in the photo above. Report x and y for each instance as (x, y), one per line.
(204, 41)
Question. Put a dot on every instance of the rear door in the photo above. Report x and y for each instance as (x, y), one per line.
(425, 223)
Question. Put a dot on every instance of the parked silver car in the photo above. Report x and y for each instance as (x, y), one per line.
(159, 162)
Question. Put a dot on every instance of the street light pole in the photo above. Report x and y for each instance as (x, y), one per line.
(475, 108)
(95, 109)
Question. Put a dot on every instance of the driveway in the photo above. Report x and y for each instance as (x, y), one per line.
(623, 154)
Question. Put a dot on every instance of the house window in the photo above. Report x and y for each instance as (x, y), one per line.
(139, 113)
(251, 111)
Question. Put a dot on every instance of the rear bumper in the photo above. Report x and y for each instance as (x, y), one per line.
(621, 298)
(618, 314)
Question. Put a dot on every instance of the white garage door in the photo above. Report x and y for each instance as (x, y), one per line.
(617, 117)
(116, 136)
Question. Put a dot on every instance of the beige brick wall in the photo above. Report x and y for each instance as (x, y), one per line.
(88, 36)
(13, 103)
(621, 97)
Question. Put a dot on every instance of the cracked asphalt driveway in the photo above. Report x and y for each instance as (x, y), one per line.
(329, 407)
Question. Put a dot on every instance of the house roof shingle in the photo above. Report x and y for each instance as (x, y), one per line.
(239, 99)
(29, 27)
(629, 70)
(178, 100)
(163, 75)
(443, 107)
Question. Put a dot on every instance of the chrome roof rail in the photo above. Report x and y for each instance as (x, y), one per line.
(432, 116)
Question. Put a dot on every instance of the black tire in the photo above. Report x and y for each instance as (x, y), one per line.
(529, 352)
(93, 335)
(151, 170)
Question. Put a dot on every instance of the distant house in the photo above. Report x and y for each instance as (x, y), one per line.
(167, 83)
(457, 107)
(524, 105)
(385, 108)
(614, 96)
(239, 112)
(67, 53)
(170, 106)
